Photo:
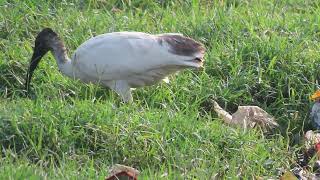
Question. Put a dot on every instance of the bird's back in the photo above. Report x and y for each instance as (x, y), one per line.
(121, 54)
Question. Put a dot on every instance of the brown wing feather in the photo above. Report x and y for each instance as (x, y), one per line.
(181, 45)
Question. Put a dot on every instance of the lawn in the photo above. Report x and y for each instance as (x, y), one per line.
(261, 52)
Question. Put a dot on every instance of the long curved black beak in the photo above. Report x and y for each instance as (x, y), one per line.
(36, 57)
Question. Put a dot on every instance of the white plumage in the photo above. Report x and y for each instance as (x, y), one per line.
(121, 60)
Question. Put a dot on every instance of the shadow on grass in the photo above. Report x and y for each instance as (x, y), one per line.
(12, 79)
(12, 85)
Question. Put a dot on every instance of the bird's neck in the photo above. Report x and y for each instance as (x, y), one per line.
(59, 51)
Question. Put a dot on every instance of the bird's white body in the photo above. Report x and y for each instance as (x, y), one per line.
(125, 60)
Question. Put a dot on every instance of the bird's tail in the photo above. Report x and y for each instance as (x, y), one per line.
(181, 45)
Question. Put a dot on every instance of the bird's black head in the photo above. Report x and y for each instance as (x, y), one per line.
(42, 46)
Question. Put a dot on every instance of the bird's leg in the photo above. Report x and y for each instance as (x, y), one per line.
(122, 88)
(126, 95)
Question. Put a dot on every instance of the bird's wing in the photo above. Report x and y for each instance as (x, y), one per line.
(115, 56)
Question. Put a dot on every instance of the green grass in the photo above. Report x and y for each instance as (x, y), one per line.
(263, 53)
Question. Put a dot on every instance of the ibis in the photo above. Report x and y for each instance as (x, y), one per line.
(121, 61)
